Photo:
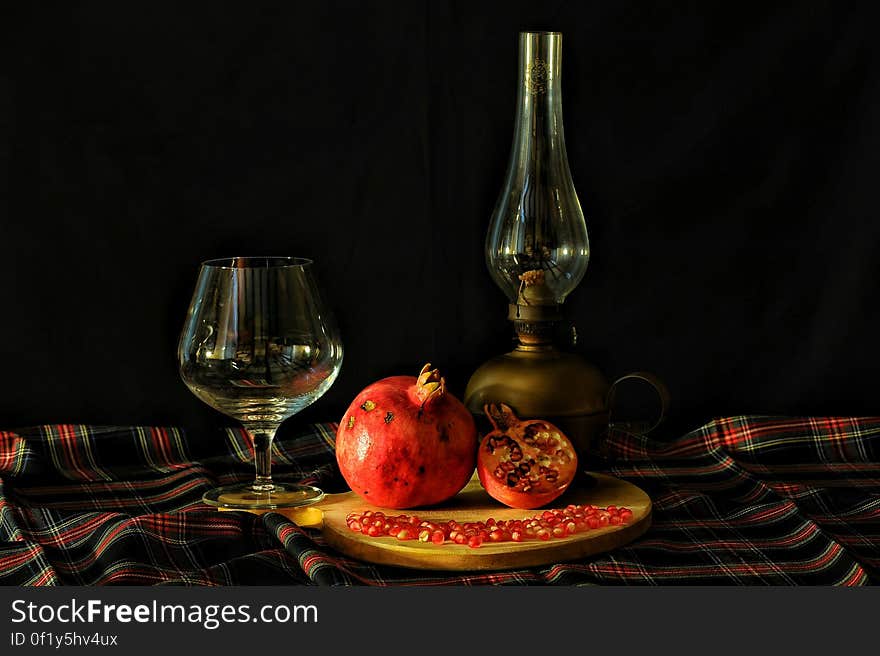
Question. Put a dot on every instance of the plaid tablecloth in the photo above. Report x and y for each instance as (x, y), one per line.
(743, 500)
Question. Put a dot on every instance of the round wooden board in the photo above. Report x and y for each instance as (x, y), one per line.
(473, 504)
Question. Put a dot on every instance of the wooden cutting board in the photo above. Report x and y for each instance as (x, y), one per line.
(474, 504)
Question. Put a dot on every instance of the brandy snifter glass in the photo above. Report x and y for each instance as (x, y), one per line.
(259, 345)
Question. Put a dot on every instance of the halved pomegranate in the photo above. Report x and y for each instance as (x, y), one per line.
(524, 464)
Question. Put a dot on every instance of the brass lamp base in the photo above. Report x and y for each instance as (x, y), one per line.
(543, 382)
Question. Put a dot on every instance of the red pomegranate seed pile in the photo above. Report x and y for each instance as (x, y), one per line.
(556, 523)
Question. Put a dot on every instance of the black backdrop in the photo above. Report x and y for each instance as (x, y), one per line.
(726, 159)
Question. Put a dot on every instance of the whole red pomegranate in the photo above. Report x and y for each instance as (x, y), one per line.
(524, 464)
(406, 442)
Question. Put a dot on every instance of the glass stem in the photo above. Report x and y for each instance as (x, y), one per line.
(263, 457)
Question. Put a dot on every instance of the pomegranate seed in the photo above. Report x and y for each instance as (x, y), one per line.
(552, 523)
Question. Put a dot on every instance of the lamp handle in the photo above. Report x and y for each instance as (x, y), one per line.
(651, 379)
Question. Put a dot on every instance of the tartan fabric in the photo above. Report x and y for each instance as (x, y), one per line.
(740, 501)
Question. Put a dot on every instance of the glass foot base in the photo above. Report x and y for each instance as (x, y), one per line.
(244, 497)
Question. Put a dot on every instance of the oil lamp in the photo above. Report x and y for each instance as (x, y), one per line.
(537, 251)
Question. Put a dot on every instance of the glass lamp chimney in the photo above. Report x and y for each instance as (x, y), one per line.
(537, 247)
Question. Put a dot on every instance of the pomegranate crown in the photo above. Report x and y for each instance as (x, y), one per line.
(501, 415)
(430, 384)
